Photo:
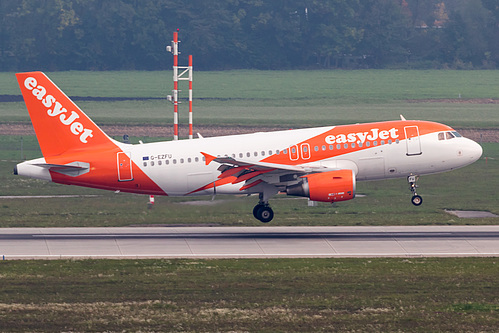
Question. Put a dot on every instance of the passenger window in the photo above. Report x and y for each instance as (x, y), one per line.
(338, 146)
(145, 164)
(331, 147)
(189, 160)
(263, 153)
(316, 148)
(195, 159)
(345, 145)
(159, 163)
(323, 147)
(181, 160)
(152, 163)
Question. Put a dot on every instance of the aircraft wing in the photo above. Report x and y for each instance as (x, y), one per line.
(234, 171)
(255, 165)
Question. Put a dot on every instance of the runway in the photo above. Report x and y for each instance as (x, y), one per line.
(248, 242)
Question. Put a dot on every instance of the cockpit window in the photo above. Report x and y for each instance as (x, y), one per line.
(448, 135)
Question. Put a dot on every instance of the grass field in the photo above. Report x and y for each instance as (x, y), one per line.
(283, 98)
(286, 295)
(345, 86)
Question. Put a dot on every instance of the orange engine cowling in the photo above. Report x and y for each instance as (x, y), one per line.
(328, 186)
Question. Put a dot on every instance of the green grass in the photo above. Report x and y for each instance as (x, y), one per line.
(257, 295)
(285, 98)
(352, 86)
(154, 112)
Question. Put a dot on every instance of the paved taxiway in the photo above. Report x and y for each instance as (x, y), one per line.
(248, 242)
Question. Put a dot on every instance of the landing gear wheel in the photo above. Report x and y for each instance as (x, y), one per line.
(417, 200)
(255, 211)
(263, 213)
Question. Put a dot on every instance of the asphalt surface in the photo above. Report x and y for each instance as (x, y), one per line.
(249, 242)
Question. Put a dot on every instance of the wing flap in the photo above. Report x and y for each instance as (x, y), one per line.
(260, 166)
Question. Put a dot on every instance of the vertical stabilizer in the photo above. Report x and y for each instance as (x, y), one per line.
(59, 124)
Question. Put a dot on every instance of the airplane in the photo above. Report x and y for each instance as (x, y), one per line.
(322, 163)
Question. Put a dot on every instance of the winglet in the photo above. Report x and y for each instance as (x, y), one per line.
(208, 158)
(402, 118)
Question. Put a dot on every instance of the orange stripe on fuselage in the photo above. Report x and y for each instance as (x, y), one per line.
(103, 172)
(220, 182)
(350, 138)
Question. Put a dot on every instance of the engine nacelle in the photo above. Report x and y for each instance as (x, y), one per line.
(328, 186)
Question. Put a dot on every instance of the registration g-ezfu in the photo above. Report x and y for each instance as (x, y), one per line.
(160, 157)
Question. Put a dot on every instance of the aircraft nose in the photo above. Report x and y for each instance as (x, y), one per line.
(473, 150)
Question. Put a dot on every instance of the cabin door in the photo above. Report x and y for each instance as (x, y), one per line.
(124, 167)
(413, 143)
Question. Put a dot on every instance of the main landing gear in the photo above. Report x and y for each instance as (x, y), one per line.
(416, 199)
(262, 211)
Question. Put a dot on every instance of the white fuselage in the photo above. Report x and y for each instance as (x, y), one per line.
(179, 168)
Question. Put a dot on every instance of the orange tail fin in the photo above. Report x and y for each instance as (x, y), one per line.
(59, 124)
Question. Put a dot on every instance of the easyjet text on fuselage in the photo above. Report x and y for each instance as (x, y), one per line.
(361, 137)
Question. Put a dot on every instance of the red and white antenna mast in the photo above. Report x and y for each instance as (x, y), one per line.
(182, 77)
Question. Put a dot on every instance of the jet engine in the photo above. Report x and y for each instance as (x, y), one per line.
(331, 186)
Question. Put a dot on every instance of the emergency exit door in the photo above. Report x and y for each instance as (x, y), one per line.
(124, 167)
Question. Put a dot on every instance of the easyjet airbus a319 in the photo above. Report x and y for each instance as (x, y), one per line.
(320, 163)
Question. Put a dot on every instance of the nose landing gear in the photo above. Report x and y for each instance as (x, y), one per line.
(416, 199)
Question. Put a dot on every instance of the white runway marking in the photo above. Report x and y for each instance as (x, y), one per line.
(249, 242)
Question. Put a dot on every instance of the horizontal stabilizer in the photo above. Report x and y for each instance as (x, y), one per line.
(72, 169)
